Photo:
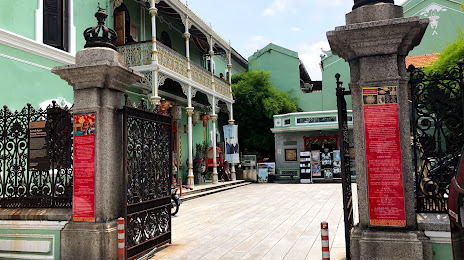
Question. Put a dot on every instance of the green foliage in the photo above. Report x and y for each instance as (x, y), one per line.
(201, 150)
(449, 56)
(256, 102)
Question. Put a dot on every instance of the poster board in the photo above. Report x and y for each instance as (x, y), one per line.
(84, 168)
(383, 154)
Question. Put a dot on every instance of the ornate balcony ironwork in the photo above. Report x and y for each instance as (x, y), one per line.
(140, 54)
(222, 87)
(172, 60)
(201, 76)
(136, 54)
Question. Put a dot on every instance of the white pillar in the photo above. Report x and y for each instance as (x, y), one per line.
(233, 174)
(155, 98)
(187, 45)
(190, 177)
(211, 55)
(229, 67)
(213, 120)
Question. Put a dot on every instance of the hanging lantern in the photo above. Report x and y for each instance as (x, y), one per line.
(205, 117)
(164, 106)
(196, 117)
(177, 112)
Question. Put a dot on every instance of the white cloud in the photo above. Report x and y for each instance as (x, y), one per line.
(310, 55)
(256, 42)
(278, 6)
(295, 29)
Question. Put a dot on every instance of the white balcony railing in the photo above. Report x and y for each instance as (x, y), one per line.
(139, 54)
(222, 87)
(136, 54)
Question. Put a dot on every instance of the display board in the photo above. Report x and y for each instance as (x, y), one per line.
(305, 167)
(84, 168)
(231, 142)
(383, 154)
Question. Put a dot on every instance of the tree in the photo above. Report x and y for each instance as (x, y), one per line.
(256, 102)
(449, 56)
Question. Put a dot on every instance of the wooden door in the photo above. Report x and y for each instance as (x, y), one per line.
(119, 20)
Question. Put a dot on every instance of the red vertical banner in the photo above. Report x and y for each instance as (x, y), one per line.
(383, 154)
(84, 168)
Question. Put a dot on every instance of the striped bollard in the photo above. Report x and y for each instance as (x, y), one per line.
(325, 240)
(121, 238)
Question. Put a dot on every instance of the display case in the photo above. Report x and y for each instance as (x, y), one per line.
(249, 168)
(305, 167)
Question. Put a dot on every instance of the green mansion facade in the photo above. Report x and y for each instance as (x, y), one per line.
(185, 63)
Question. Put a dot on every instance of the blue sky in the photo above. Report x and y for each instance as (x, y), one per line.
(298, 25)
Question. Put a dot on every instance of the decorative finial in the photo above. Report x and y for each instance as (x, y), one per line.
(359, 3)
(92, 34)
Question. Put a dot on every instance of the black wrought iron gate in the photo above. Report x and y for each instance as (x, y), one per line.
(343, 139)
(147, 182)
(437, 125)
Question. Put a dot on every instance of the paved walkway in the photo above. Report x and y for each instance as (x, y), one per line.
(259, 221)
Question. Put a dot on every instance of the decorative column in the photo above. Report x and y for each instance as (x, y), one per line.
(190, 109)
(232, 122)
(155, 98)
(213, 120)
(187, 45)
(375, 42)
(99, 79)
(211, 56)
(229, 67)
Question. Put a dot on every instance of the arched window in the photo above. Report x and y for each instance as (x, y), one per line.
(55, 23)
(165, 39)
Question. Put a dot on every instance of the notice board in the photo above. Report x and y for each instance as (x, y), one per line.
(84, 168)
(383, 154)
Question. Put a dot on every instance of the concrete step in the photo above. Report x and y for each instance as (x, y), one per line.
(210, 186)
(208, 191)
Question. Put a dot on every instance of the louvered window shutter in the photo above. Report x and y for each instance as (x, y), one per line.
(54, 23)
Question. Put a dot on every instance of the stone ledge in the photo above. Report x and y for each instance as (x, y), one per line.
(433, 222)
(57, 214)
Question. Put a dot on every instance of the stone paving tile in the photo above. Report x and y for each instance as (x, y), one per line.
(259, 221)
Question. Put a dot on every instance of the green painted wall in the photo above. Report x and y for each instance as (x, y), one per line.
(434, 41)
(446, 19)
(23, 83)
(18, 17)
(284, 67)
(442, 252)
(55, 243)
(333, 65)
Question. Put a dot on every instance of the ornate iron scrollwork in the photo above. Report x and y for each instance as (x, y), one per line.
(437, 129)
(36, 172)
(148, 168)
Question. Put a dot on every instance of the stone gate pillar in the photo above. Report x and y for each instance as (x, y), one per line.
(375, 42)
(99, 79)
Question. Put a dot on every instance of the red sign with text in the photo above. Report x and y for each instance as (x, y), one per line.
(383, 154)
(84, 168)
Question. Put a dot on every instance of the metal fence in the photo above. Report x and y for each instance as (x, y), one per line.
(36, 164)
(147, 178)
(437, 130)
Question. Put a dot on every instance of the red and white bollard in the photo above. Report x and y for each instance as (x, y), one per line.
(121, 238)
(325, 240)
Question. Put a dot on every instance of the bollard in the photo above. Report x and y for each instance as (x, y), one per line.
(325, 241)
(121, 238)
(180, 187)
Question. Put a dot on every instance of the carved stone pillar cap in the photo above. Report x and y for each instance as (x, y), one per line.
(359, 3)
(98, 67)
